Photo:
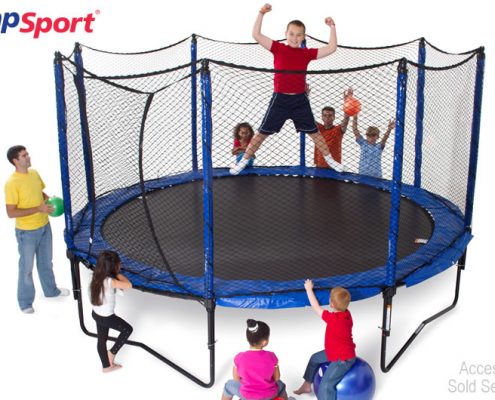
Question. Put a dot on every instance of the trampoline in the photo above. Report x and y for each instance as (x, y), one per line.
(141, 181)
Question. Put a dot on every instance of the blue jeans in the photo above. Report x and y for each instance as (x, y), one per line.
(332, 376)
(232, 388)
(31, 243)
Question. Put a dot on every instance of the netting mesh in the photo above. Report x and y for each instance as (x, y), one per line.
(135, 149)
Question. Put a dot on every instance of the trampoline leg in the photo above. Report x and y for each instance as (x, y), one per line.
(387, 316)
(210, 308)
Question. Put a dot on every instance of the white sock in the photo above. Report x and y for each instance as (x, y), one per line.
(239, 166)
(243, 162)
(333, 164)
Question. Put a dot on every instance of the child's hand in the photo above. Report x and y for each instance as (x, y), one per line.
(391, 124)
(266, 8)
(329, 21)
(348, 93)
(308, 284)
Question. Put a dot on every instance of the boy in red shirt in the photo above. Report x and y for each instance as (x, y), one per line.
(289, 100)
(339, 346)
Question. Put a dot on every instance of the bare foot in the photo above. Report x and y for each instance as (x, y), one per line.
(111, 368)
(111, 357)
(305, 388)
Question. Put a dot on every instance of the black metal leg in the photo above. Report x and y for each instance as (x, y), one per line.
(387, 316)
(210, 309)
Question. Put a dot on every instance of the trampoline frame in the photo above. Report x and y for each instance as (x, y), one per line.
(209, 301)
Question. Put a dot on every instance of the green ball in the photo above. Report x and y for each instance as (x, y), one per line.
(58, 206)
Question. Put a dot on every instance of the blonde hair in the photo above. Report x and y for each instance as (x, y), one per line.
(340, 298)
(373, 130)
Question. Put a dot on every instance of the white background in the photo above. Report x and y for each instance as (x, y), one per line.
(45, 355)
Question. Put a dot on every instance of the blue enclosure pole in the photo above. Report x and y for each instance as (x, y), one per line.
(302, 135)
(475, 137)
(420, 112)
(302, 150)
(393, 233)
(194, 110)
(86, 146)
(62, 145)
(206, 102)
(397, 173)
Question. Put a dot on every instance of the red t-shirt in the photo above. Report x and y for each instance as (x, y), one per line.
(338, 335)
(292, 59)
(333, 138)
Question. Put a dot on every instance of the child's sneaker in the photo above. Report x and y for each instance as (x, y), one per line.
(239, 166)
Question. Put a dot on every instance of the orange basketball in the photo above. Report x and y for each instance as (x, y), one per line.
(352, 106)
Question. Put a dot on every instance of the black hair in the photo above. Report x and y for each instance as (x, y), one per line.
(107, 265)
(328, 108)
(256, 332)
(13, 153)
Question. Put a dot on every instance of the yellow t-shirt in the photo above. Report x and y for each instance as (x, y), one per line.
(26, 191)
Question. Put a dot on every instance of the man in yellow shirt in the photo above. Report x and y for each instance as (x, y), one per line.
(25, 201)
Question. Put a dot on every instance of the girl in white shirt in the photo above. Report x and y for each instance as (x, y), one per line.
(106, 279)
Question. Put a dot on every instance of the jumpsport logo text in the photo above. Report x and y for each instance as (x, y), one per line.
(31, 23)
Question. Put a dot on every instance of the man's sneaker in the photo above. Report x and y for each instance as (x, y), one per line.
(235, 170)
(64, 292)
(334, 164)
(29, 310)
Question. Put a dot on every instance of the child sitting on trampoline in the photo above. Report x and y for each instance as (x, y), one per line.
(370, 159)
(255, 372)
(289, 100)
(243, 133)
(106, 279)
(339, 345)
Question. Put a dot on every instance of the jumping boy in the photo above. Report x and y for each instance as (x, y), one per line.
(289, 100)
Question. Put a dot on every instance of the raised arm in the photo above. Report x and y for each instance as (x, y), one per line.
(345, 121)
(355, 128)
(391, 125)
(315, 305)
(332, 42)
(265, 41)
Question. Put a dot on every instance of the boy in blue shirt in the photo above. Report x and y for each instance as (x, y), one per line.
(370, 159)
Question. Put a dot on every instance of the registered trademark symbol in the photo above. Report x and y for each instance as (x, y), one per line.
(97, 12)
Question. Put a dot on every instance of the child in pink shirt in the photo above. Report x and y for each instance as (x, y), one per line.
(255, 372)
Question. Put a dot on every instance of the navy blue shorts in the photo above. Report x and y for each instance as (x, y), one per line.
(288, 106)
